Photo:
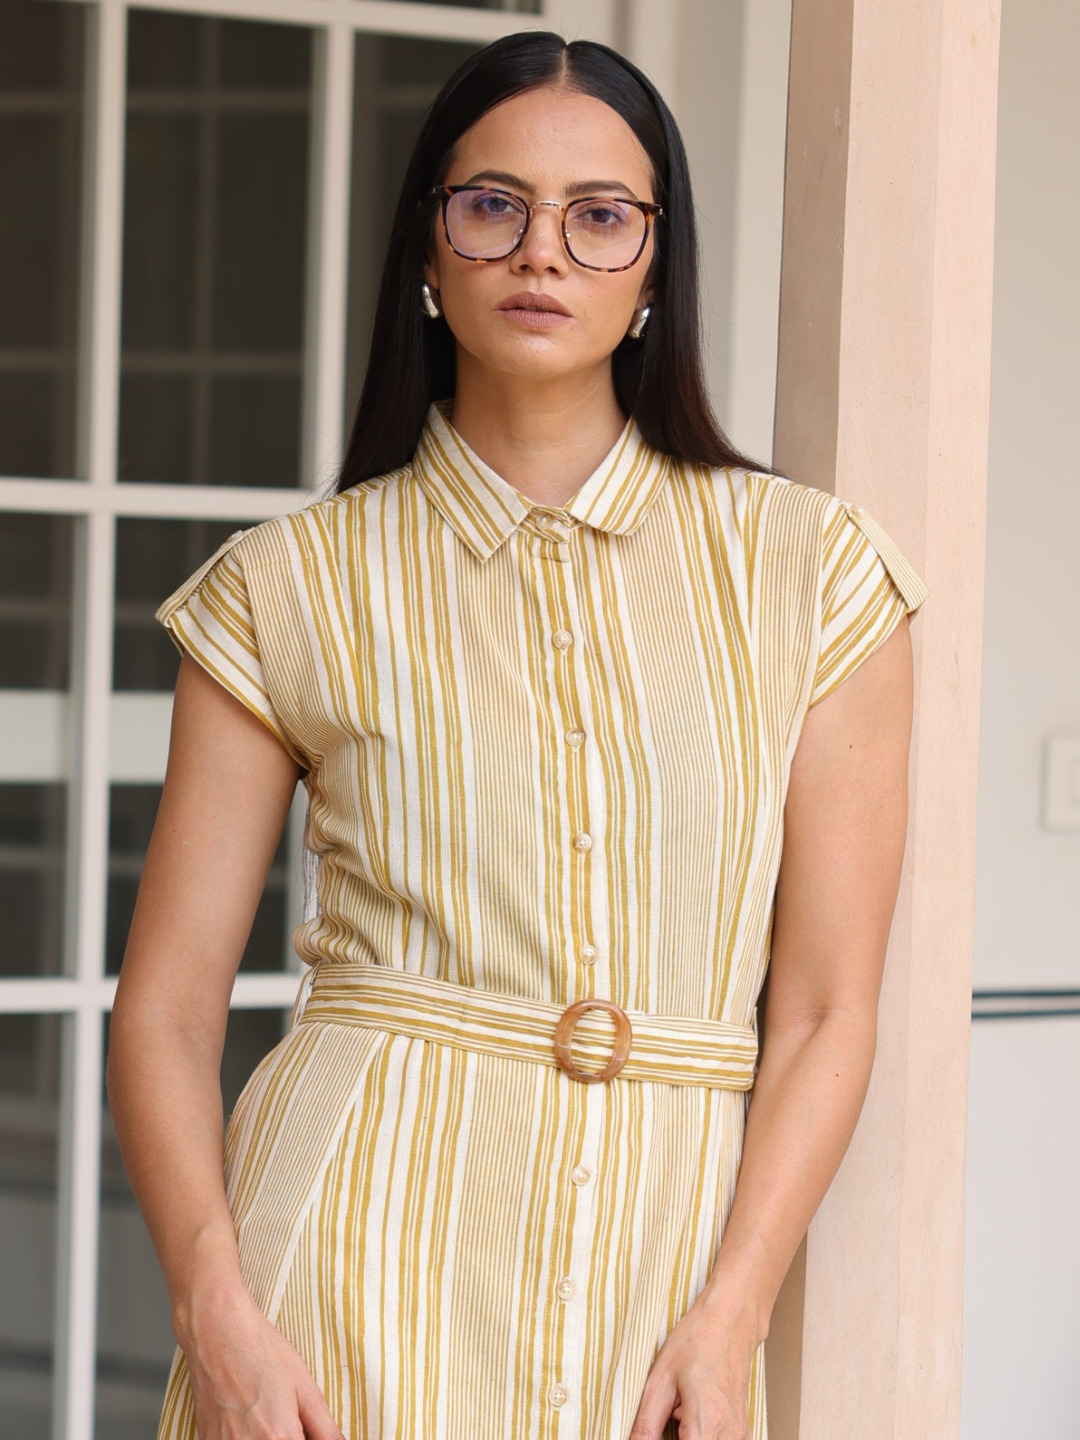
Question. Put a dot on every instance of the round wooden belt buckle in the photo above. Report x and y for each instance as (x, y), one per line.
(564, 1030)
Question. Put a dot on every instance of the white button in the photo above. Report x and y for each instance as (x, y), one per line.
(562, 639)
(587, 954)
(582, 842)
(565, 1288)
(581, 1174)
(575, 737)
(557, 1396)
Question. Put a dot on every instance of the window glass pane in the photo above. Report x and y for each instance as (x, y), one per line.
(215, 213)
(41, 102)
(131, 821)
(29, 1070)
(397, 78)
(259, 217)
(35, 619)
(163, 52)
(135, 1339)
(33, 822)
(256, 57)
(254, 430)
(251, 1035)
(157, 440)
(161, 234)
(153, 557)
(35, 602)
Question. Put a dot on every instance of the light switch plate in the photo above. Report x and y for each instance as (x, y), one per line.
(1061, 783)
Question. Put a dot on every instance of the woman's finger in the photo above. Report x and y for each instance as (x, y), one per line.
(654, 1410)
(315, 1415)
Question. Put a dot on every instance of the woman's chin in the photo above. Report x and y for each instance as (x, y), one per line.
(538, 357)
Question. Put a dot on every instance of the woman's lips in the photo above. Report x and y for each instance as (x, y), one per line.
(536, 319)
(534, 310)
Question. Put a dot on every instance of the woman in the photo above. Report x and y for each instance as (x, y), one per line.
(560, 670)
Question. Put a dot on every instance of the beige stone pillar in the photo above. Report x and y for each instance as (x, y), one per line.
(882, 396)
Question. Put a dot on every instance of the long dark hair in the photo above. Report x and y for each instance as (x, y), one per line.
(659, 379)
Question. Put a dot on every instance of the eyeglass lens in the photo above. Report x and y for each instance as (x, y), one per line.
(605, 234)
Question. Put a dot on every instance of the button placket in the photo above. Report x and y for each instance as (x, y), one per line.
(585, 788)
(566, 642)
(570, 1287)
(581, 825)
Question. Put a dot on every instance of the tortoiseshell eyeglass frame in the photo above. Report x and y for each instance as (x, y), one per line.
(650, 211)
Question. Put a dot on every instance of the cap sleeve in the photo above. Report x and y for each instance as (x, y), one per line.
(210, 618)
(867, 586)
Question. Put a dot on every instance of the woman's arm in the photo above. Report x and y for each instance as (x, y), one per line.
(227, 792)
(845, 821)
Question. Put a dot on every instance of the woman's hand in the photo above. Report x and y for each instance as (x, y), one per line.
(701, 1376)
(247, 1381)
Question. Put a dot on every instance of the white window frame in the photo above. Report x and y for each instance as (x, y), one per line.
(83, 994)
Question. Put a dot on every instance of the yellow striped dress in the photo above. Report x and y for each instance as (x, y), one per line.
(546, 751)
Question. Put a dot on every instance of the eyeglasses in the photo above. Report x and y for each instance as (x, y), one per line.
(600, 232)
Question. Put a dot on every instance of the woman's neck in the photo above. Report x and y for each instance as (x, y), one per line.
(544, 438)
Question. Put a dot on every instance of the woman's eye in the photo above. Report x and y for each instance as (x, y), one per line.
(492, 206)
(603, 217)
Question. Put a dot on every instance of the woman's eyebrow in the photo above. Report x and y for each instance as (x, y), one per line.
(582, 187)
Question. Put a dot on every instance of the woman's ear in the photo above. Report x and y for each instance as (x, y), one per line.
(431, 270)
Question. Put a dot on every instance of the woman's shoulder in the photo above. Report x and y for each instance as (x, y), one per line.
(240, 596)
(772, 511)
(271, 540)
(837, 538)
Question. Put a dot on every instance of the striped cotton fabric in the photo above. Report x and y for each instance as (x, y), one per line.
(546, 750)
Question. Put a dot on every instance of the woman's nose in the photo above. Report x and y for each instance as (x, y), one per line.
(542, 247)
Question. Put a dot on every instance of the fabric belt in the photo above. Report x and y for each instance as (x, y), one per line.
(668, 1049)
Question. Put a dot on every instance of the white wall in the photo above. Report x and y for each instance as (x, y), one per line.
(730, 98)
(1028, 889)
(1022, 1311)
(1022, 1300)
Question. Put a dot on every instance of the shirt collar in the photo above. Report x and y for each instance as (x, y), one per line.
(484, 509)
